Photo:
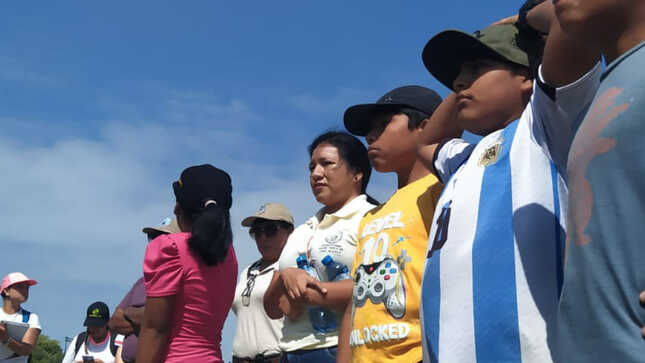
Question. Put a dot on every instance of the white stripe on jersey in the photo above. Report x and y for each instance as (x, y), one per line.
(537, 258)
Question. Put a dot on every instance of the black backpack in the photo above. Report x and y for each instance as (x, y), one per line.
(80, 339)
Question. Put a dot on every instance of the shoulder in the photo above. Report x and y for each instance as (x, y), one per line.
(166, 246)
(364, 205)
(295, 243)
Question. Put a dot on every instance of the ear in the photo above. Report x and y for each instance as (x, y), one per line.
(423, 124)
(526, 88)
(358, 177)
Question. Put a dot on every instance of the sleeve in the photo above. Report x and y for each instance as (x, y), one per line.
(449, 156)
(162, 270)
(556, 113)
(34, 321)
(69, 353)
(127, 299)
(295, 243)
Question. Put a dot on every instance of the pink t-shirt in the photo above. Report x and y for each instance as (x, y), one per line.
(204, 295)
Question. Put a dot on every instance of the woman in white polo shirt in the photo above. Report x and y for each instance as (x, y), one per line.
(257, 336)
(339, 174)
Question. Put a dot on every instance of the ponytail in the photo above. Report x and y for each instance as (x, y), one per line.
(211, 233)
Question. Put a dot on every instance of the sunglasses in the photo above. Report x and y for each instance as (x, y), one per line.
(268, 230)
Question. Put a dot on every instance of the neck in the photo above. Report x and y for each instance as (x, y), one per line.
(417, 171)
(329, 209)
(266, 262)
(631, 37)
(10, 307)
(100, 339)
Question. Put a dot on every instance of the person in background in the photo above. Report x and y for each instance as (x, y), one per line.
(190, 277)
(257, 336)
(15, 292)
(339, 173)
(127, 317)
(96, 341)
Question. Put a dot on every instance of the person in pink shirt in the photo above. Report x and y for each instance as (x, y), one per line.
(190, 277)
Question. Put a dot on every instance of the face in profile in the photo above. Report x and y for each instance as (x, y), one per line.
(391, 142)
(489, 95)
(18, 292)
(332, 182)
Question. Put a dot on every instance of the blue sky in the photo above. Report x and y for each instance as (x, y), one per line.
(102, 104)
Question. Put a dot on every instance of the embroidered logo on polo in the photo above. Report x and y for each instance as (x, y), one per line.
(332, 245)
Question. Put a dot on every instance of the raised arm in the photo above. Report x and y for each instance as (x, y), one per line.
(565, 60)
(440, 126)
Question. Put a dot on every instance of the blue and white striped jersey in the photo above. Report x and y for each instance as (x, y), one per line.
(494, 272)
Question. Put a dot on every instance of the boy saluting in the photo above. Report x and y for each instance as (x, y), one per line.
(494, 270)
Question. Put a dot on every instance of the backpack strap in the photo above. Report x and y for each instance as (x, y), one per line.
(80, 339)
(25, 315)
(113, 346)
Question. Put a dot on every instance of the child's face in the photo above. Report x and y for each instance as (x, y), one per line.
(490, 95)
(392, 145)
(593, 20)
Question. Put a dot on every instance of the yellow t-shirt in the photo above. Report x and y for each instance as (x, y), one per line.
(388, 269)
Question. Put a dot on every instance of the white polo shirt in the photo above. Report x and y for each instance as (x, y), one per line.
(255, 332)
(323, 234)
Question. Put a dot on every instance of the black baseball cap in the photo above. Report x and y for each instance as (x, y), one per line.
(98, 314)
(444, 53)
(202, 183)
(357, 118)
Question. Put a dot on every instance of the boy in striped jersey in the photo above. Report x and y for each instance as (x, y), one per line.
(494, 269)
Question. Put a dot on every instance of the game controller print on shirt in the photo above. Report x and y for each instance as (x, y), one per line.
(379, 277)
(387, 271)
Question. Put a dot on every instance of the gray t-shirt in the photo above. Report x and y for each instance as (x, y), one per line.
(599, 317)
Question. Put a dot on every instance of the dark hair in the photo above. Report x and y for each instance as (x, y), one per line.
(211, 233)
(350, 149)
(3, 294)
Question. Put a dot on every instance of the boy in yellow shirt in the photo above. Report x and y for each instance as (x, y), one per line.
(382, 322)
